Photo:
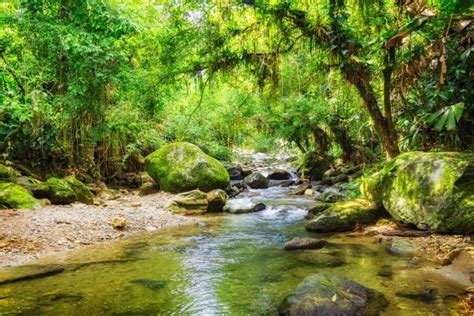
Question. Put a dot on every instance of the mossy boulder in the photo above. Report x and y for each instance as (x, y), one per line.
(189, 203)
(345, 216)
(15, 196)
(60, 191)
(36, 187)
(83, 193)
(181, 167)
(8, 174)
(332, 294)
(434, 191)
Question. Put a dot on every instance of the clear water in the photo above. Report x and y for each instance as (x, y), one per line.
(234, 266)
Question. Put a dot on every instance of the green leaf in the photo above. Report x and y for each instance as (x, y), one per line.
(440, 124)
(458, 110)
(451, 121)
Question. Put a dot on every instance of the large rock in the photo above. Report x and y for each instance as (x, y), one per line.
(189, 203)
(279, 174)
(256, 181)
(38, 188)
(181, 167)
(345, 216)
(235, 171)
(15, 196)
(243, 206)
(216, 200)
(329, 294)
(434, 191)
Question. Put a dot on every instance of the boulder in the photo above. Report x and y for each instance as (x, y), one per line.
(15, 196)
(434, 191)
(83, 193)
(304, 243)
(38, 188)
(345, 216)
(8, 174)
(216, 200)
(180, 167)
(256, 181)
(279, 174)
(68, 190)
(148, 188)
(235, 171)
(60, 191)
(237, 208)
(331, 294)
(189, 203)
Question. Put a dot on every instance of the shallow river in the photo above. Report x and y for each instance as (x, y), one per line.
(234, 266)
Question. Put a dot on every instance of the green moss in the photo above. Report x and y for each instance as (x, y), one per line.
(38, 188)
(8, 174)
(345, 216)
(15, 196)
(60, 191)
(83, 193)
(181, 167)
(430, 190)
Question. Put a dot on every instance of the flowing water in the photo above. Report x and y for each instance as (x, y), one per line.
(233, 266)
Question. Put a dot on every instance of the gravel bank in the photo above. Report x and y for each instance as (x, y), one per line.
(26, 235)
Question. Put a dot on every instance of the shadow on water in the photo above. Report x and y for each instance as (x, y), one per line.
(235, 265)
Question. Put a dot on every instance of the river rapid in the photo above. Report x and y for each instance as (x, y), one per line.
(233, 265)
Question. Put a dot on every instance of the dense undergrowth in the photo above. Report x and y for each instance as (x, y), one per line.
(91, 87)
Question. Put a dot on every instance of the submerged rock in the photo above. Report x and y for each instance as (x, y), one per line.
(216, 200)
(279, 174)
(189, 203)
(154, 285)
(402, 247)
(15, 196)
(256, 181)
(345, 216)
(324, 294)
(304, 243)
(434, 191)
(180, 167)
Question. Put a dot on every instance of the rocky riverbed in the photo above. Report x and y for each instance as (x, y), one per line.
(26, 235)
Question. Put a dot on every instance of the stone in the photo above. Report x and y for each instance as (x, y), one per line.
(68, 190)
(345, 216)
(279, 174)
(331, 196)
(319, 207)
(433, 191)
(300, 190)
(119, 223)
(309, 192)
(136, 204)
(239, 209)
(148, 188)
(39, 189)
(189, 203)
(84, 195)
(17, 197)
(256, 181)
(181, 167)
(331, 294)
(216, 200)
(235, 171)
(402, 247)
(304, 243)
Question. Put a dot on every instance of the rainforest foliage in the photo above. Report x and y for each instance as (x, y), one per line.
(92, 86)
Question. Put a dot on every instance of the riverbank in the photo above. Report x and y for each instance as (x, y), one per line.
(27, 235)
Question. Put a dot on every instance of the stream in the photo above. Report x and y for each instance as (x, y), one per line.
(234, 265)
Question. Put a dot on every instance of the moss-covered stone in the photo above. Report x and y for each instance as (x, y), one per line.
(8, 174)
(15, 196)
(345, 216)
(36, 187)
(434, 191)
(216, 200)
(83, 193)
(60, 191)
(181, 167)
(189, 203)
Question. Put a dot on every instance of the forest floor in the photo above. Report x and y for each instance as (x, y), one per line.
(26, 235)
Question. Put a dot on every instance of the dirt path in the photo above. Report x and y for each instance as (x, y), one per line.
(26, 235)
